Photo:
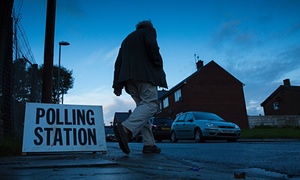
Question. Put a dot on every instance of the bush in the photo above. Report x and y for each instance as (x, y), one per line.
(10, 146)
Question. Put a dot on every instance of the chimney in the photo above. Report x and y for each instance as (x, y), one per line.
(287, 82)
(199, 64)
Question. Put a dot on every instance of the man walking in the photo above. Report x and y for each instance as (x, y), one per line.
(139, 68)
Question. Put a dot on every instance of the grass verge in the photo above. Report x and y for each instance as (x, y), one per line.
(271, 133)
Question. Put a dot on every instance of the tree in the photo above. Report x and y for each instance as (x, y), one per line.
(21, 81)
(23, 78)
(66, 82)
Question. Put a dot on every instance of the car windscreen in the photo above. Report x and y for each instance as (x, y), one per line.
(163, 121)
(207, 116)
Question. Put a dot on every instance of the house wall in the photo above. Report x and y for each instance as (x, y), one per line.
(274, 121)
(214, 90)
(288, 104)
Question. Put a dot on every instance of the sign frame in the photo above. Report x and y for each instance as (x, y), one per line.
(61, 127)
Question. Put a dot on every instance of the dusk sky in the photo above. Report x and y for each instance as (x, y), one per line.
(257, 41)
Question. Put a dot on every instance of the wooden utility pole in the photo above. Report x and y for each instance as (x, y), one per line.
(48, 52)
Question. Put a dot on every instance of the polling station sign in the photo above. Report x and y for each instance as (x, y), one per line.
(57, 127)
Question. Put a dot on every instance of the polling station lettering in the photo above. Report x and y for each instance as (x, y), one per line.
(77, 127)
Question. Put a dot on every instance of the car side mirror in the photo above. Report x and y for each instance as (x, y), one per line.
(190, 120)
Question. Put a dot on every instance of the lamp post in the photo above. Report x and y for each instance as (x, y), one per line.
(62, 43)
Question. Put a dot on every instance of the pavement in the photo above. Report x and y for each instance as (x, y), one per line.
(112, 164)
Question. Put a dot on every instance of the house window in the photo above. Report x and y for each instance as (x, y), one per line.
(276, 105)
(177, 95)
(166, 102)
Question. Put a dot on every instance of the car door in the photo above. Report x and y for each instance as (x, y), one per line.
(178, 125)
(188, 126)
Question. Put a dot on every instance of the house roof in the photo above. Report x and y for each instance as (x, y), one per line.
(183, 82)
(121, 116)
(280, 89)
(160, 93)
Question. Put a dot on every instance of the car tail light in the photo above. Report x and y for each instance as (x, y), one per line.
(154, 126)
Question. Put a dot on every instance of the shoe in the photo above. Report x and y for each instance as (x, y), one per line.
(122, 138)
(151, 149)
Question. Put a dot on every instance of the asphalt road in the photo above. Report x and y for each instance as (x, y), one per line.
(272, 158)
(269, 159)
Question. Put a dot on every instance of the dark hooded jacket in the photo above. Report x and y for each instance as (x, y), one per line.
(139, 59)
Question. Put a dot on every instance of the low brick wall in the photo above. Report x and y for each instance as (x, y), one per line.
(279, 121)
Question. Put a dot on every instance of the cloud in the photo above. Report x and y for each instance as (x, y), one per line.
(71, 7)
(100, 60)
(118, 104)
(259, 57)
(270, 68)
(234, 38)
(111, 55)
(225, 34)
(294, 29)
(254, 108)
(102, 96)
(264, 75)
(101, 56)
(293, 75)
(92, 97)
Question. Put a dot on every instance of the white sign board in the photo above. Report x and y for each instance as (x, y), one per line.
(57, 127)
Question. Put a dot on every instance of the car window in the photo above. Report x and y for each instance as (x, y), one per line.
(207, 116)
(109, 130)
(180, 118)
(189, 116)
(152, 120)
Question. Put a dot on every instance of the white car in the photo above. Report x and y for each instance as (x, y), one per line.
(202, 126)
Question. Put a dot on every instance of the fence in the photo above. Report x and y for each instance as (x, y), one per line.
(18, 81)
(20, 77)
(279, 121)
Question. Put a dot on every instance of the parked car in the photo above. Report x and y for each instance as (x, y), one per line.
(110, 134)
(202, 126)
(137, 138)
(161, 128)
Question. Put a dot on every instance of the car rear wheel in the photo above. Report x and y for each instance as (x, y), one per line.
(198, 135)
(173, 138)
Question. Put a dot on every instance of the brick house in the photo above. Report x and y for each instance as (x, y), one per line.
(121, 116)
(285, 100)
(210, 88)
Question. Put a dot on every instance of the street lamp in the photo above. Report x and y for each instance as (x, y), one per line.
(62, 43)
